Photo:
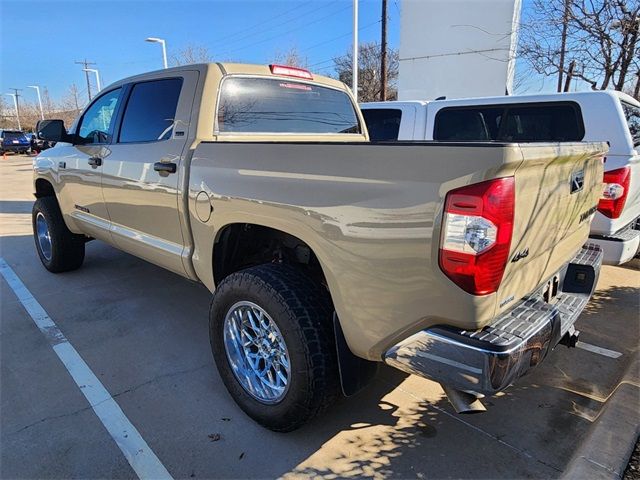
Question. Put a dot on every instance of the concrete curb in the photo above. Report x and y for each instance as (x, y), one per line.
(607, 447)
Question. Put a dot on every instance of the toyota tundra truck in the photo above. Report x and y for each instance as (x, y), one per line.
(325, 253)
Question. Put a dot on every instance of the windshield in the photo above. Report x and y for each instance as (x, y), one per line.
(632, 114)
(13, 136)
(265, 105)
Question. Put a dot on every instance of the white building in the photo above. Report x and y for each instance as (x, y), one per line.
(457, 48)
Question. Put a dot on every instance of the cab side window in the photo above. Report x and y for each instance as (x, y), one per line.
(96, 125)
(150, 111)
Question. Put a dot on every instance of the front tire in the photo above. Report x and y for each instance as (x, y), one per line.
(59, 249)
(272, 341)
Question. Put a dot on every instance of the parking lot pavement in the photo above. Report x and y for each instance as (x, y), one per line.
(143, 333)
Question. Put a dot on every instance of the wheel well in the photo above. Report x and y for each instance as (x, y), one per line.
(44, 189)
(244, 245)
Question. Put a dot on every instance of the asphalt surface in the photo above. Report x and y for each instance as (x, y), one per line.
(143, 333)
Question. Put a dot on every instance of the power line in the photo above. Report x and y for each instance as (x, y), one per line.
(292, 30)
(348, 34)
(369, 25)
(466, 52)
(298, 17)
(261, 23)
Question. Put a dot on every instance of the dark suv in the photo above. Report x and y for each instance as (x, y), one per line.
(13, 141)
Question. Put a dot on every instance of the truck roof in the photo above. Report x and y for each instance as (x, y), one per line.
(228, 68)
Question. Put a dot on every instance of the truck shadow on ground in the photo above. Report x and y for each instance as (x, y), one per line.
(602, 300)
(398, 426)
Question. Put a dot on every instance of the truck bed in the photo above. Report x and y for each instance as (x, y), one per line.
(372, 215)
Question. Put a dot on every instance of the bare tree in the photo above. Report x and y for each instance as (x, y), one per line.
(369, 76)
(47, 103)
(598, 39)
(291, 57)
(7, 115)
(192, 54)
(69, 107)
(29, 115)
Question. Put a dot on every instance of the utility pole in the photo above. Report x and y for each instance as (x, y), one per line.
(383, 53)
(354, 62)
(16, 96)
(563, 42)
(86, 74)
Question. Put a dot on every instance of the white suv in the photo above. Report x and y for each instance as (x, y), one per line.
(608, 116)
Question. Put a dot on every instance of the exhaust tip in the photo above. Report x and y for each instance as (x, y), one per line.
(463, 402)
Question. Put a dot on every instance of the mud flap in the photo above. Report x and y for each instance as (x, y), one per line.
(355, 372)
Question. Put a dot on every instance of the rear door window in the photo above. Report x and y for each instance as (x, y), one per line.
(632, 114)
(548, 122)
(265, 105)
(150, 112)
(382, 123)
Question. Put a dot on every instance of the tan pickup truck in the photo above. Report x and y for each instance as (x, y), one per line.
(326, 254)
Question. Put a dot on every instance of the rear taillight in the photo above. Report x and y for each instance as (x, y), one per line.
(476, 234)
(614, 192)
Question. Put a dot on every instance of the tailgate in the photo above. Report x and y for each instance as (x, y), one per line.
(557, 191)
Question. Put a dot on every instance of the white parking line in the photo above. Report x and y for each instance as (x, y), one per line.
(139, 455)
(599, 350)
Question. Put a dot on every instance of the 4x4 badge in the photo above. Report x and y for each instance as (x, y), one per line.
(519, 255)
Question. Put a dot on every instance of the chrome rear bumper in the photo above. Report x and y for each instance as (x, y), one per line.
(489, 360)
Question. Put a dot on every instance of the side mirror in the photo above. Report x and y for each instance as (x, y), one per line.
(52, 131)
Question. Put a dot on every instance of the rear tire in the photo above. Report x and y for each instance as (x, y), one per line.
(59, 249)
(301, 311)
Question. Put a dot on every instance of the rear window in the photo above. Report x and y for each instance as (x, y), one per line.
(264, 105)
(382, 123)
(511, 123)
(632, 114)
(13, 136)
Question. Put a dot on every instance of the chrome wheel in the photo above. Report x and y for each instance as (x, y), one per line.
(44, 236)
(256, 352)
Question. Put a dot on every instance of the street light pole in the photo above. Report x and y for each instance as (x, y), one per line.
(354, 85)
(15, 103)
(94, 70)
(164, 48)
(39, 100)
